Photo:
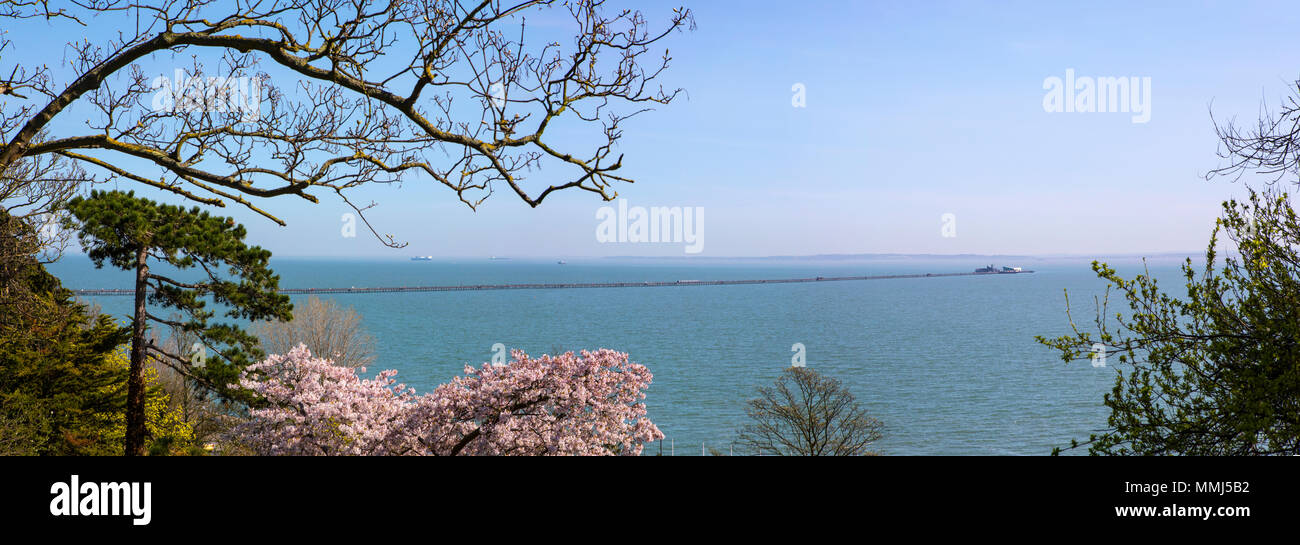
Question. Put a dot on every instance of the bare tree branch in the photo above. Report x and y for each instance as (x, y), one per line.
(292, 97)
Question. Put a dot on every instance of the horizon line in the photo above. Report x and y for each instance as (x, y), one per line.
(487, 257)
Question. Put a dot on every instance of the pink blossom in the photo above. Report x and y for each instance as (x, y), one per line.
(585, 404)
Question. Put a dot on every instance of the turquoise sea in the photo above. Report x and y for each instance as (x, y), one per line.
(950, 365)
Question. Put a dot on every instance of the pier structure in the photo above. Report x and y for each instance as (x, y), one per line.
(573, 285)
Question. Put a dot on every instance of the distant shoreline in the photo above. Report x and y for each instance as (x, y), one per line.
(974, 258)
(1197, 255)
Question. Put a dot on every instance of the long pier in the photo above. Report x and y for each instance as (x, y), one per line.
(477, 287)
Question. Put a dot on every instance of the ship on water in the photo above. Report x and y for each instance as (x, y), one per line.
(422, 258)
(994, 270)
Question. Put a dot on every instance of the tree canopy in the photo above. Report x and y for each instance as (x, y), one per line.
(303, 98)
(1214, 371)
(588, 403)
(327, 328)
(131, 234)
(808, 414)
(63, 369)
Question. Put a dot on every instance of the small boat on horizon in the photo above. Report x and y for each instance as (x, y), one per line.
(422, 258)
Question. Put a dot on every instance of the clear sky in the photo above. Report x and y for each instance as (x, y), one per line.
(913, 110)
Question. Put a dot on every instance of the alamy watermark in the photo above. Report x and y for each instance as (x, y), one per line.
(198, 355)
(658, 224)
(1085, 94)
(75, 498)
(948, 225)
(349, 229)
(497, 92)
(1098, 355)
(209, 94)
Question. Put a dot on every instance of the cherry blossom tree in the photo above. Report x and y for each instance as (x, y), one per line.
(316, 408)
(584, 404)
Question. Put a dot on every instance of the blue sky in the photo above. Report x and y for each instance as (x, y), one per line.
(913, 110)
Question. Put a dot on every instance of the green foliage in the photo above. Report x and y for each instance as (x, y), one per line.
(63, 371)
(114, 227)
(56, 373)
(1216, 372)
(167, 431)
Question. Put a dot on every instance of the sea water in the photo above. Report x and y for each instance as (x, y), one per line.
(948, 364)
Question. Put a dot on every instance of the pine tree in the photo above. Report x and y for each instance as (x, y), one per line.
(132, 233)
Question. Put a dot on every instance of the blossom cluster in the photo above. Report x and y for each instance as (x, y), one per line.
(584, 404)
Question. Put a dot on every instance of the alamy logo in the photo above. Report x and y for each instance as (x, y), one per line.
(800, 357)
(107, 499)
(1098, 355)
(499, 354)
(211, 94)
(1105, 94)
(658, 224)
